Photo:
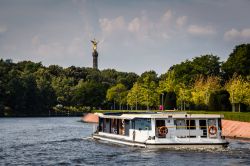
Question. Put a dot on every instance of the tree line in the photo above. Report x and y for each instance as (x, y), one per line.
(203, 83)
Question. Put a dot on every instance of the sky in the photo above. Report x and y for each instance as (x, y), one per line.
(134, 35)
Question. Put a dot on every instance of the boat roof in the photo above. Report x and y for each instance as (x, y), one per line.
(157, 115)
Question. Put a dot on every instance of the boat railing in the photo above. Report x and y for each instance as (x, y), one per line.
(187, 131)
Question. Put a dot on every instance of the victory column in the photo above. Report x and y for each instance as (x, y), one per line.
(95, 54)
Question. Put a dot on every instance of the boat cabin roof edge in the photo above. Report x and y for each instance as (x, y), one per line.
(158, 116)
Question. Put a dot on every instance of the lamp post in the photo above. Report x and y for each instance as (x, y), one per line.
(162, 98)
(136, 103)
(233, 101)
(147, 102)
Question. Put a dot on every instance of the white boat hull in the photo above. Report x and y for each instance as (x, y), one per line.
(146, 144)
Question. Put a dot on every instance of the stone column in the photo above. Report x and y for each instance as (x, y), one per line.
(95, 59)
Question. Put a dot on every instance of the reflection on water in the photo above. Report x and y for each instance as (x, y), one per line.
(63, 141)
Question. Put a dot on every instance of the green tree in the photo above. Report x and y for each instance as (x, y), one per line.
(151, 76)
(203, 88)
(238, 62)
(206, 65)
(219, 100)
(117, 93)
(167, 89)
(169, 83)
(88, 94)
(47, 97)
(63, 88)
(135, 95)
(150, 97)
(239, 90)
(183, 95)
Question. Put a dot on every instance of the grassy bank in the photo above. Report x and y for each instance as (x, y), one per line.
(237, 116)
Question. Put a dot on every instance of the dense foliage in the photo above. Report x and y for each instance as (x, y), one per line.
(31, 89)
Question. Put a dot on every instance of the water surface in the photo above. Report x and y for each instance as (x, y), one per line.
(62, 141)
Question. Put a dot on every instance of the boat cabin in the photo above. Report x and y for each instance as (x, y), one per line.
(160, 127)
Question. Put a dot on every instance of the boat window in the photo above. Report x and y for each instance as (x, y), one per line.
(191, 124)
(143, 124)
(219, 123)
(180, 124)
(106, 125)
(211, 122)
(127, 127)
(100, 126)
(114, 126)
(203, 127)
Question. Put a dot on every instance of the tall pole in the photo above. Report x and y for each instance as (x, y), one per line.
(147, 102)
(233, 101)
(162, 97)
(136, 103)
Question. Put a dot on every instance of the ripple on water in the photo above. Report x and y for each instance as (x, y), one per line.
(64, 141)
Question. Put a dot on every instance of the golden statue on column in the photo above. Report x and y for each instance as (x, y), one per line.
(94, 42)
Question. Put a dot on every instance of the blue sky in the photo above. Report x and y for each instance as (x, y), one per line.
(133, 35)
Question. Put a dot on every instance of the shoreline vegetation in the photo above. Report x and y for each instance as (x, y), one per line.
(29, 89)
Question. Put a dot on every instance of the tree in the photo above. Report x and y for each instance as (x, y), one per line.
(28, 66)
(183, 95)
(219, 100)
(239, 90)
(238, 62)
(203, 88)
(150, 97)
(169, 83)
(167, 88)
(63, 89)
(152, 76)
(88, 94)
(206, 65)
(46, 93)
(135, 95)
(55, 70)
(117, 93)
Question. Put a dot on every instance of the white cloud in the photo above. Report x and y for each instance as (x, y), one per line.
(245, 33)
(143, 27)
(73, 47)
(51, 49)
(134, 25)
(201, 30)
(181, 21)
(237, 34)
(167, 16)
(3, 28)
(110, 25)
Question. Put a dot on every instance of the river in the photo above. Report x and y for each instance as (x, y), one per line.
(62, 141)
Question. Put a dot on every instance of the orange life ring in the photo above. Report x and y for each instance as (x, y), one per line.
(212, 130)
(163, 130)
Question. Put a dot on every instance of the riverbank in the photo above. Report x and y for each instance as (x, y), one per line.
(230, 128)
(236, 129)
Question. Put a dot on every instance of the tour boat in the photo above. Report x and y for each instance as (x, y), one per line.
(162, 130)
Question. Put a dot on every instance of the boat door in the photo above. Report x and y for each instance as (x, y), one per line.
(159, 128)
(203, 127)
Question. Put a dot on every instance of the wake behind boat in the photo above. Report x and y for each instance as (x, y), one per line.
(161, 130)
